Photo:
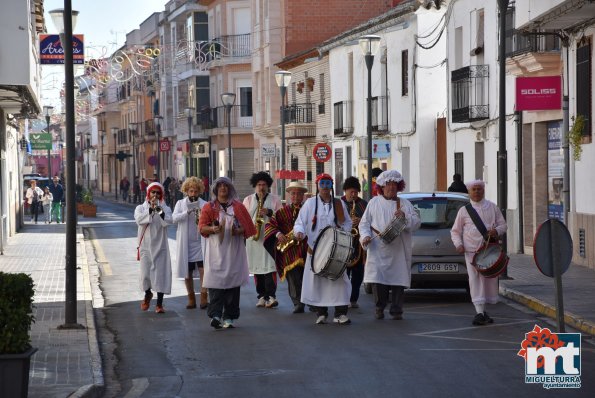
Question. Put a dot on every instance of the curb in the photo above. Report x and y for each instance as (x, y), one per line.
(94, 390)
(548, 310)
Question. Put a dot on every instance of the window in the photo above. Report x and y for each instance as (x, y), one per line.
(405, 72)
(202, 92)
(459, 164)
(246, 101)
(584, 83)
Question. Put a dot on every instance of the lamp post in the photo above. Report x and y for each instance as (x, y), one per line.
(228, 100)
(189, 111)
(115, 134)
(283, 79)
(132, 129)
(88, 165)
(65, 20)
(158, 131)
(47, 111)
(102, 135)
(369, 45)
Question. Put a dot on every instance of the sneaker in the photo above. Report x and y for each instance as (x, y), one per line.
(342, 320)
(272, 303)
(298, 308)
(321, 320)
(261, 302)
(354, 304)
(228, 323)
(479, 320)
(379, 313)
(159, 309)
(487, 317)
(216, 323)
(146, 303)
(397, 317)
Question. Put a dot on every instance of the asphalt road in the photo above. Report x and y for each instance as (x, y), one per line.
(434, 351)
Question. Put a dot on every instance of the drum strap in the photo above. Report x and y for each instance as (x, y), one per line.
(477, 221)
(339, 209)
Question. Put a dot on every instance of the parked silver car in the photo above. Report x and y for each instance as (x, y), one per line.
(435, 262)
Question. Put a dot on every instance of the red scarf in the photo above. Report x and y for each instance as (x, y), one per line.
(210, 213)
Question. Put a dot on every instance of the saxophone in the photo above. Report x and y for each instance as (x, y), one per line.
(291, 240)
(357, 251)
(258, 220)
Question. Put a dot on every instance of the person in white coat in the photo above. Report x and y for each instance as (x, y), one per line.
(317, 213)
(260, 262)
(388, 266)
(33, 196)
(153, 217)
(467, 239)
(190, 243)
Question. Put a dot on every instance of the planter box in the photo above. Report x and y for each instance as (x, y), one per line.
(79, 208)
(14, 369)
(90, 210)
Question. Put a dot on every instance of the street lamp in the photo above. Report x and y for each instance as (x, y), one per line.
(228, 100)
(47, 111)
(88, 165)
(283, 79)
(102, 135)
(189, 111)
(369, 45)
(115, 134)
(132, 129)
(158, 130)
(65, 21)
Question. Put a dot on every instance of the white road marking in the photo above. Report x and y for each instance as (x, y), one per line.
(100, 255)
(138, 388)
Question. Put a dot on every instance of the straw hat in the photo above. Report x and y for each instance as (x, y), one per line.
(296, 185)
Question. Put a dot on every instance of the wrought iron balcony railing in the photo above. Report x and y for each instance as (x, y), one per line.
(212, 118)
(470, 93)
(343, 119)
(518, 43)
(299, 113)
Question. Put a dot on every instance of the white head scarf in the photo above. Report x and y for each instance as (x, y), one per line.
(472, 183)
(388, 175)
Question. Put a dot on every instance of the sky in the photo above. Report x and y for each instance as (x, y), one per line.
(104, 24)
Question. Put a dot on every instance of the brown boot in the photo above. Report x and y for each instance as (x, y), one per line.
(203, 299)
(191, 296)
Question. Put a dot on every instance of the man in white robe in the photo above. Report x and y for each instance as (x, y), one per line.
(155, 261)
(388, 266)
(317, 213)
(467, 239)
(261, 263)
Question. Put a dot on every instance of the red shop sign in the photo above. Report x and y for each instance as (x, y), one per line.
(322, 152)
(538, 93)
(291, 174)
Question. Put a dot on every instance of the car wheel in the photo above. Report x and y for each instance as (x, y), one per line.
(368, 288)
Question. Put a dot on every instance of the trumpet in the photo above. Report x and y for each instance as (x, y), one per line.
(158, 210)
(290, 241)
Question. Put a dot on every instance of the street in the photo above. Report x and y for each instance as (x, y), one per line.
(272, 352)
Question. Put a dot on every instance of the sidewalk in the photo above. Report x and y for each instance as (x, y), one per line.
(532, 289)
(68, 362)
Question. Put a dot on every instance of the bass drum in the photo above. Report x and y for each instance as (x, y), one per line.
(490, 260)
(332, 252)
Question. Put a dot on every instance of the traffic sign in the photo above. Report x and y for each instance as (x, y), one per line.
(322, 152)
(164, 145)
(552, 243)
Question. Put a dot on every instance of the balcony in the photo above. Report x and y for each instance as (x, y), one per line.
(299, 113)
(202, 55)
(213, 118)
(532, 53)
(470, 94)
(231, 46)
(343, 119)
(380, 114)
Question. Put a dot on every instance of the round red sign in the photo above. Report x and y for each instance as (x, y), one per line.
(322, 152)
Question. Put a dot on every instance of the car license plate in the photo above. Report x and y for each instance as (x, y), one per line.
(438, 267)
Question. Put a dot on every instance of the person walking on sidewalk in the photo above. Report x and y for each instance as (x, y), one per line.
(467, 239)
(33, 196)
(125, 188)
(261, 206)
(57, 191)
(226, 225)
(457, 184)
(46, 202)
(189, 240)
(153, 217)
(136, 190)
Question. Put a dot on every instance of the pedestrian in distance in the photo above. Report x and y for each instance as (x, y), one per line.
(190, 243)
(33, 197)
(261, 206)
(57, 191)
(457, 184)
(225, 224)
(388, 265)
(356, 206)
(125, 188)
(153, 217)
(136, 190)
(279, 241)
(174, 188)
(317, 213)
(467, 239)
(46, 202)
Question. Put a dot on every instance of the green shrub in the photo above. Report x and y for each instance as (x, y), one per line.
(87, 197)
(16, 308)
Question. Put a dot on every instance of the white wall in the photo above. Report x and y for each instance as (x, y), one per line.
(527, 10)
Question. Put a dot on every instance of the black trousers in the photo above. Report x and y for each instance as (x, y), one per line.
(339, 310)
(356, 274)
(35, 210)
(224, 303)
(381, 297)
(294, 284)
(266, 285)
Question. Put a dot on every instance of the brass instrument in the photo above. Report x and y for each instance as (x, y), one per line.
(357, 251)
(258, 220)
(291, 240)
(156, 208)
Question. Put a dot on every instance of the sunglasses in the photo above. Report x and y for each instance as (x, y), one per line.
(325, 184)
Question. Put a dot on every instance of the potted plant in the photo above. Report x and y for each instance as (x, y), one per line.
(575, 136)
(89, 206)
(78, 197)
(16, 317)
